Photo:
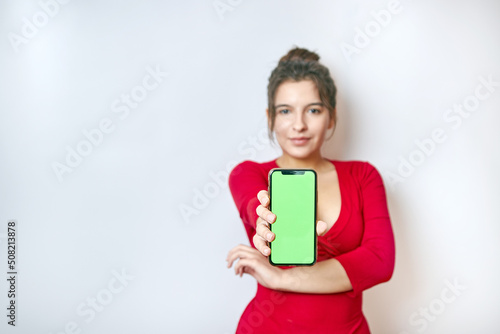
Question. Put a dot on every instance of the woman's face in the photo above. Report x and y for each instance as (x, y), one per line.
(302, 120)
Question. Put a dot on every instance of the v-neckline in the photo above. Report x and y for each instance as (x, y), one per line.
(336, 223)
(342, 199)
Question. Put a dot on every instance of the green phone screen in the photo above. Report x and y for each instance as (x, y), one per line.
(293, 201)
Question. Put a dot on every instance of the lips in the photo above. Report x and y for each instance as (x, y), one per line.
(299, 141)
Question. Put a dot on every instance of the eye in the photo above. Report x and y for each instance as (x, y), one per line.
(284, 111)
(314, 111)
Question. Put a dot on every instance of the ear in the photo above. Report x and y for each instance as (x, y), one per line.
(331, 124)
(268, 118)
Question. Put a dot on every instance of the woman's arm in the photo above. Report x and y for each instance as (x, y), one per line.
(324, 277)
(245, 180)
(371, 263)
(327, 276)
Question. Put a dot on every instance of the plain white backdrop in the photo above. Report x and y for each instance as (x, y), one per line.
(119, 121)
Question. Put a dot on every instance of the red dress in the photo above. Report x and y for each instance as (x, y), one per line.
(361, 240)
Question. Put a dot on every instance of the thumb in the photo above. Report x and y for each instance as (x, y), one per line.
(321, 227)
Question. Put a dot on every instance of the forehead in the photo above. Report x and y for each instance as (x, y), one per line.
(297, 92)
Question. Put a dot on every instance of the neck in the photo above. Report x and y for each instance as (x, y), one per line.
(316, 162)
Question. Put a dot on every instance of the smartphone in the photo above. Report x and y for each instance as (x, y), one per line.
(293, 195)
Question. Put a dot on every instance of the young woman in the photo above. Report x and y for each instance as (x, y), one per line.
(355, 238)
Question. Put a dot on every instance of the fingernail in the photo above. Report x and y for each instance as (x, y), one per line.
(269, 236)
(270, 217)
(266, 251)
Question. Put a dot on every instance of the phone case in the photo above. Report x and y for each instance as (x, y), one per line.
(293, 201)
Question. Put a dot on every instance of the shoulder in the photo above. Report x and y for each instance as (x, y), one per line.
(361, 171)
(250, 171)
(249, 165)
(356, 167)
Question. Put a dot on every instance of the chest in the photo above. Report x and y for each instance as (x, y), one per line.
(341, 208)
(329, 198)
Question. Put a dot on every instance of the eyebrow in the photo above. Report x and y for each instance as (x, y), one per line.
(309, 105)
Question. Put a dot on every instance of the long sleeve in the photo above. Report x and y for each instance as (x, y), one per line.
(373, 261)
(245, 181)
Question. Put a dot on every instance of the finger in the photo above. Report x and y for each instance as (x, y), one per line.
(265, 214)
(245, 266)
(261, 245)
(321, 227)
(240, 251)
(262, 229)
(263, 197)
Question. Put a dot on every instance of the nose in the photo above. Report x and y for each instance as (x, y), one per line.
(299, 123)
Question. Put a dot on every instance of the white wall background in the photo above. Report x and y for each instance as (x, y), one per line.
(119, 209)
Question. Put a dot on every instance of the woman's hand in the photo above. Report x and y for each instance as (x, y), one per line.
(252, 262)
(263, 234)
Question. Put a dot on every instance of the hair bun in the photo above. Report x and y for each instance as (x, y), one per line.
(300, 54)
